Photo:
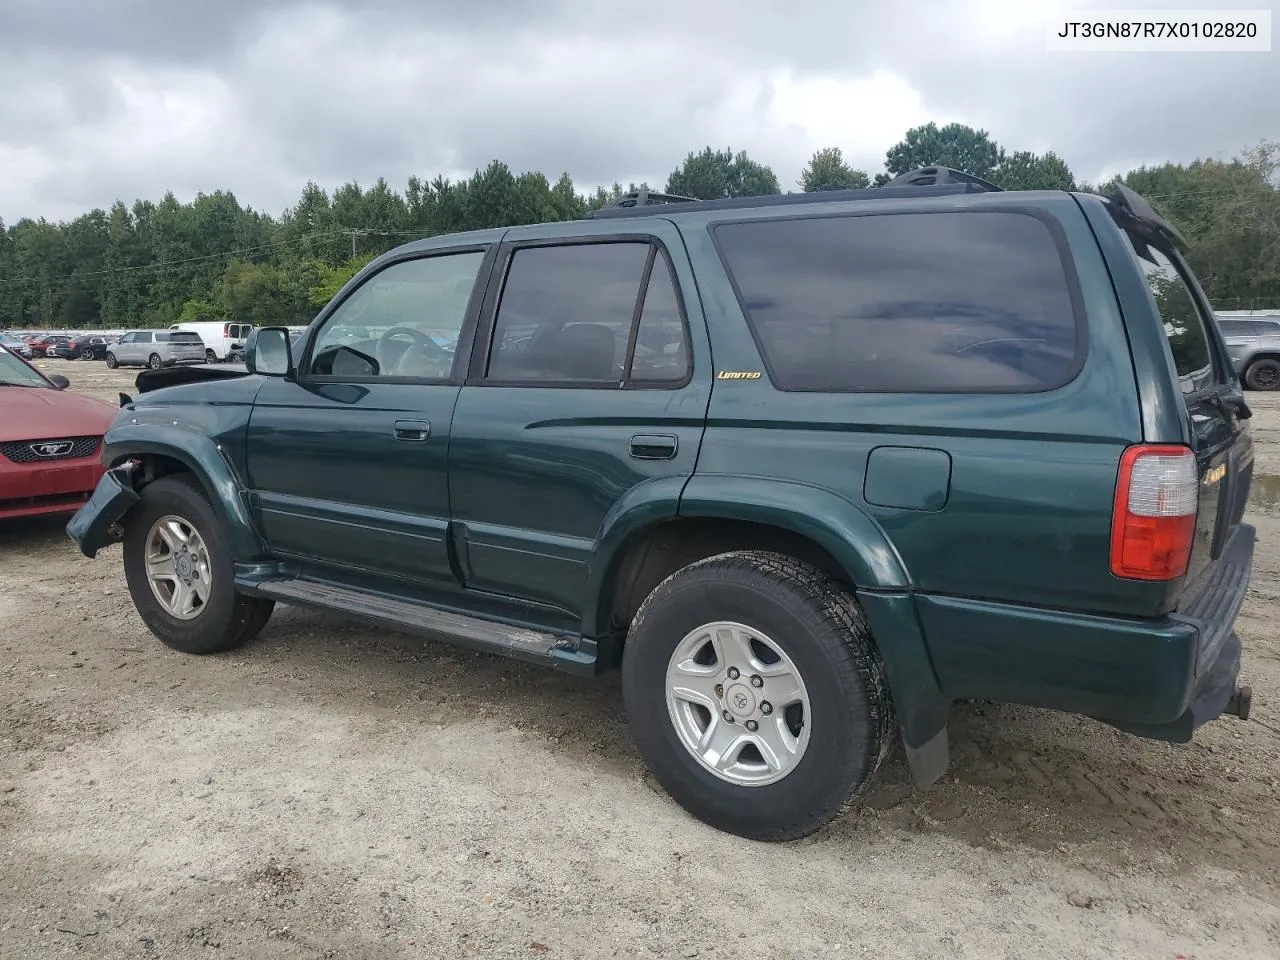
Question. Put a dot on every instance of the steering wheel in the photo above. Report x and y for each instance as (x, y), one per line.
(421, 341)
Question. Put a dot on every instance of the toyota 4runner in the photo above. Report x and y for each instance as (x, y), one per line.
(807, 468)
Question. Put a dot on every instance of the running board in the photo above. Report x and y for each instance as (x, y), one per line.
(490, 636)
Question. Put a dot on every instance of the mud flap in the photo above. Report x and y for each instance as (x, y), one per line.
(91, 526)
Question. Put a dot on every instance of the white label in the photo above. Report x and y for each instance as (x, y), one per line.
(1160, 31)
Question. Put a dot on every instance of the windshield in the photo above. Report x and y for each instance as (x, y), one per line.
(15, 373)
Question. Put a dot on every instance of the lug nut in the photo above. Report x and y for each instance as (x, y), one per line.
(756, 681)
(733, 673)
(752, 725)
(728, 717)
(766, 708)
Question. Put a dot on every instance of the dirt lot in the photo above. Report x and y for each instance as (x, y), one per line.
(338, 791)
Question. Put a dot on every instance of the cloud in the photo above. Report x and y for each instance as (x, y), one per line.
(130, 99)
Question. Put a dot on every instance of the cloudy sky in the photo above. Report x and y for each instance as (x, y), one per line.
(102, 99)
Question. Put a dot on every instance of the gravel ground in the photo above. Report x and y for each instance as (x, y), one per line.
(338, 791)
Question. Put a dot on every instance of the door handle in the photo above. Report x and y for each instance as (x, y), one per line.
(413, 429)
(653, 447)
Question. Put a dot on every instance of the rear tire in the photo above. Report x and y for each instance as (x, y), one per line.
(210, 357)
(226, 618)
(815, 629)
(154, 361)
(112, 362)
(1263, 375)
(86, 354)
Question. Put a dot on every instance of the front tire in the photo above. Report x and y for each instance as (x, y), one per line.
(756, 695)
(1263, 375)
(180, 572)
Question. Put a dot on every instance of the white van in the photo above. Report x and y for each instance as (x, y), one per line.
(218, 336)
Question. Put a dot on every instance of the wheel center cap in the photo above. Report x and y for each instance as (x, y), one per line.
(183, 563)
(740, 699)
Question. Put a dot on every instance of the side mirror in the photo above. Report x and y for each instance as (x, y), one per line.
(267, 352)
(59, 381)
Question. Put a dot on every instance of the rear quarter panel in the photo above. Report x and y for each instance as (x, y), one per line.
(1028, 479)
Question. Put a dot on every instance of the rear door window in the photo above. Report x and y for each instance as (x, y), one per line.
(907, 303)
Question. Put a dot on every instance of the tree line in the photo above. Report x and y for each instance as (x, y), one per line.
(152, 264)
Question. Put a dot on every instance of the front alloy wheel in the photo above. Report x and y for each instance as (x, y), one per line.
(178, 567)
(181, 573)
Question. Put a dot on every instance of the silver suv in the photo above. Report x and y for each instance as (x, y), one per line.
(1254, 347)
(156, 349)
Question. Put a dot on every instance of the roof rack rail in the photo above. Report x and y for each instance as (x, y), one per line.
(935, 176)
(645, 198)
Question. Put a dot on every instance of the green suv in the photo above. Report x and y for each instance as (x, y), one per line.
(807, 468)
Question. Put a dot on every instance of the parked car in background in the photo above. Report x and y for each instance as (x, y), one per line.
(1254, 348)
(44, 346)
(80, 348)
(219, 337)
(50, 441)
(15, 345)
(156, 349)
(809, 468)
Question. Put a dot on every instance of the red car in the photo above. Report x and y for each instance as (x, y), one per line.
(50, 442)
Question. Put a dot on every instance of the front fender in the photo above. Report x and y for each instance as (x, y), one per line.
(202, 456)
(839, 526)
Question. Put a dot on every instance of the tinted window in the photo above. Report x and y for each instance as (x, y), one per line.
(1183, 324)
(181, 336)
(142, 338)
(404, 321)
(566, 312)
(662, 348)
(914, 303)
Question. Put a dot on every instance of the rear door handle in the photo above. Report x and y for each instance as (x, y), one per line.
(413, 429)
(653, 447)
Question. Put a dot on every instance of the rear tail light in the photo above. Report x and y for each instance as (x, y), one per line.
(1154, 523)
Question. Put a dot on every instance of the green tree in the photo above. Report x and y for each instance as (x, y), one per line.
(957, 146)
(715, 174)
(1029, 171)
(827, 170)
(330, 280)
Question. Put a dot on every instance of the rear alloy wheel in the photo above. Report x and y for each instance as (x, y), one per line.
(154, 361)
(112, 362)
(756, 695)
(180, 572)
(1263, 375)
(86, 353)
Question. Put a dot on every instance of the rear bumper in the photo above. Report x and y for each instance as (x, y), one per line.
(32, 490)
(1159, 678)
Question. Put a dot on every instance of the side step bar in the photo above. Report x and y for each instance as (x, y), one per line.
(489, 636)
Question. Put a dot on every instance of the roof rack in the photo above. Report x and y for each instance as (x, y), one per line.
(645, 198)
(925, 182)
(932, 176)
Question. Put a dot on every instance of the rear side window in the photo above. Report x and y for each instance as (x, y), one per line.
(907, 303)
(604, 314)
(1183, 324)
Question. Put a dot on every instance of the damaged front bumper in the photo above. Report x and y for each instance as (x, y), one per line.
(96, 524)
